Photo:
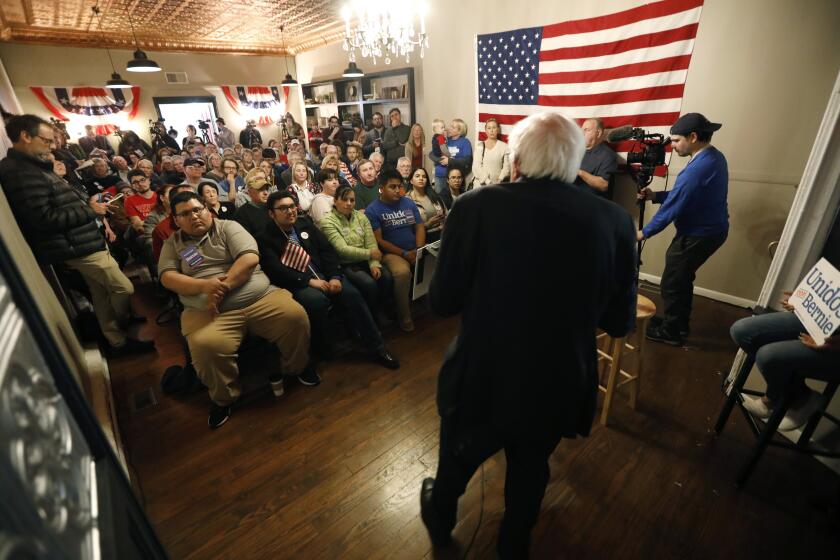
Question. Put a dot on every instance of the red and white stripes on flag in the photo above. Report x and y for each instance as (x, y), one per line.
(628, 68)
(264, 104)
(103, 108)
(294, 256)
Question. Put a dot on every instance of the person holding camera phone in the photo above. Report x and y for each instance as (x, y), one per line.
(250, 136)
(160, 138)
(697, 206)
(61, 227)
(373, 140)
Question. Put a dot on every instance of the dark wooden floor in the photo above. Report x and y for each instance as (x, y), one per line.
(334, 471)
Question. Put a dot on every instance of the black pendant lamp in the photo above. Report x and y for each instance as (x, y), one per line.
(116, 81)
(140, 62)
(353, 71)
(288, 80)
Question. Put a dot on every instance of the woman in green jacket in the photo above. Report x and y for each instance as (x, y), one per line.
(350, 233)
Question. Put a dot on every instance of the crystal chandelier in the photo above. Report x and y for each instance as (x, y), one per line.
(384, 29)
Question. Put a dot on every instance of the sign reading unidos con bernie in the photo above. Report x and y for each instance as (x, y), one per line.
(816, 301)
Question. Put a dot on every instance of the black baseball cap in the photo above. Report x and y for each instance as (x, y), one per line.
(693, 122)
(193, 161)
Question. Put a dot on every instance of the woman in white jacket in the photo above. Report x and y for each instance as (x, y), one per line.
(491, 159)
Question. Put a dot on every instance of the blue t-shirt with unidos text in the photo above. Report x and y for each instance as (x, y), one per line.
(396, 221)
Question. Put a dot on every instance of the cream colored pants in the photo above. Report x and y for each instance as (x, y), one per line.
(214, 341)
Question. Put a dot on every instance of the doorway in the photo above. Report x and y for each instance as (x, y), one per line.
(178, 112)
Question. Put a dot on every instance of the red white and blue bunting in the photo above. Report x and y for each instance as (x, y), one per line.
(264, 104)
(104, 108)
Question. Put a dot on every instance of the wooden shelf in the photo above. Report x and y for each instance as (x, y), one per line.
(388, 100)
(368, 84)
(341, 104)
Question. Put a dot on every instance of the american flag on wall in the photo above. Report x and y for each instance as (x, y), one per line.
(628, 67)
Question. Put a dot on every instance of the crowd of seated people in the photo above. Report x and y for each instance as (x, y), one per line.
(247, 235)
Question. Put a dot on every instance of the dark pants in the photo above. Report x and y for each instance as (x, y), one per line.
(771, 341)
(685, 255)
(464, 448)
(375, 292)
(317, 305)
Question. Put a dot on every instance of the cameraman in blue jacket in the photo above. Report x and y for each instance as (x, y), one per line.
(697, 206)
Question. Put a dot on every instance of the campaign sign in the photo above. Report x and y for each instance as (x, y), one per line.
(816, 301)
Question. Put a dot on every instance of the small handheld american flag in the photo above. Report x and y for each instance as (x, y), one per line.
(295, 256)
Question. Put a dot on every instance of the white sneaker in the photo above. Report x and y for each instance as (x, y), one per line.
(797, 417)
(757, 407)
(277, 387)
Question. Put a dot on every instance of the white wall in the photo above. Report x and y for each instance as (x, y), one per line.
(764, 68)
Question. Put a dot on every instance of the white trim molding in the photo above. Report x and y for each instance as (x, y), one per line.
(705, 292)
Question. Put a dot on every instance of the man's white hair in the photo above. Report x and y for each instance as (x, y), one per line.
(376, 155)
(403, 160)
(547, 145)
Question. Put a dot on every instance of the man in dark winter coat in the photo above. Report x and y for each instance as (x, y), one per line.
(395, 138)
(508, 381)
(60, 227)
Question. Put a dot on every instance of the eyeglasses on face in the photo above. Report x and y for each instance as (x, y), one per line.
(45, 140)
(197, 211)
(285, 208)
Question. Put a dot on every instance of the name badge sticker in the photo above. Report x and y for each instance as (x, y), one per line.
(191, 256)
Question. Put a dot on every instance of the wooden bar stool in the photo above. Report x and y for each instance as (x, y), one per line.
(614, 352)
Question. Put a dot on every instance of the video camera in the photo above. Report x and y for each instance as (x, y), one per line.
(154, 130)
(61, 126)
(203, 125)
(649, 155)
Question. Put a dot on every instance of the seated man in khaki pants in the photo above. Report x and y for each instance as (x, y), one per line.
(213, 265)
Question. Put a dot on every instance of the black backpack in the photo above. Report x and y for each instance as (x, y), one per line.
(180, 381)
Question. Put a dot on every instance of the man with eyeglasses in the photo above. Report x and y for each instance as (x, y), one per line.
(137, 208)
(60, 227)
(194, 171)
(101, 180)
(213, 266)
(296, 255)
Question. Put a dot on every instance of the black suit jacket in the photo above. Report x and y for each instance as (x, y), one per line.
(253, 218)
(534, 267)
(272, 243)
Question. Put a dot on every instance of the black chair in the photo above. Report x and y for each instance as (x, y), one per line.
(764, 434)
